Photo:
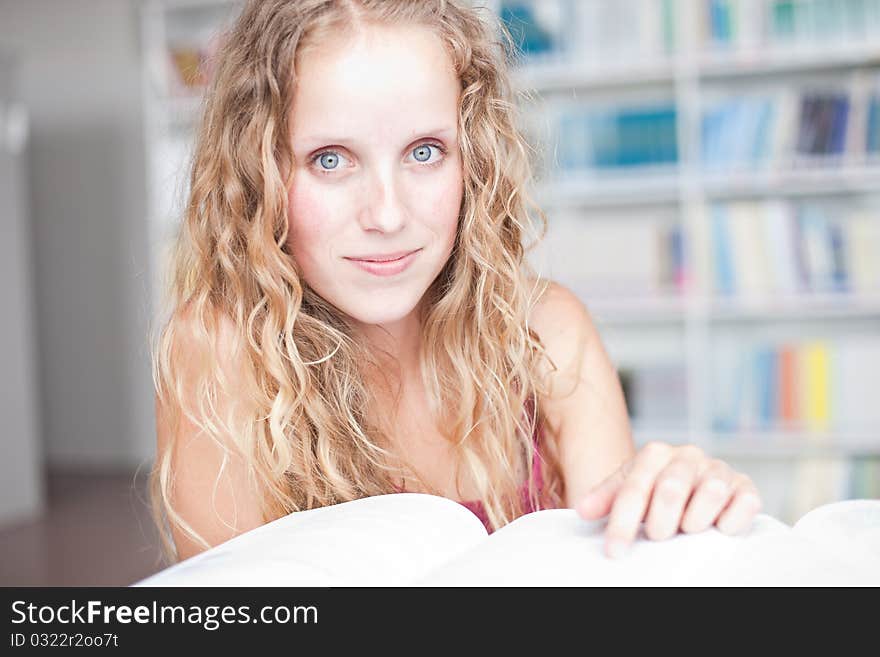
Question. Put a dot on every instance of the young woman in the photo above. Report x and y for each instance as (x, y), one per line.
(351, 312)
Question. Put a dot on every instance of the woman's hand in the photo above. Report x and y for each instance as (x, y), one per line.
(670, 487)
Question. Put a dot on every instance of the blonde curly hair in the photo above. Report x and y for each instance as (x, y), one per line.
(302, 426)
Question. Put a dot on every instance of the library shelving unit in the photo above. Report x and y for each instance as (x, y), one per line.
(680, 343)
(690, 57)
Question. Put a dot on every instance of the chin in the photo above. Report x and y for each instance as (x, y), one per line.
(378, 310)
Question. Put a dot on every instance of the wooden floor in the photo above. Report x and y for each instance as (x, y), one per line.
(97, 531)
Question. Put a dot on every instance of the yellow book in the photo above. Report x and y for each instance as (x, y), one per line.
(816, 386)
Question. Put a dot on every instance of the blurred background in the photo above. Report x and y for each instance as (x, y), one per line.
(709, 169)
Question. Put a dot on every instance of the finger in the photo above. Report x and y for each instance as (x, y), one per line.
(739, 513)
(672, 490)
(632, 498)
(712, 494)
(597, 503)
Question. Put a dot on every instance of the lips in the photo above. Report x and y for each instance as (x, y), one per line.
(391, 267)
(387, 257)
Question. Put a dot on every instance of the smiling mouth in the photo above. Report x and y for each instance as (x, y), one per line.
(392, 258)
(386, 267)
(385, 260)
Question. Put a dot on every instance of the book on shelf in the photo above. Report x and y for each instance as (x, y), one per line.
(585, 254)
(822, 124)
(784, 248)
(814, 386)
(873, 133)
(788, 128)
(616, 137)
(744, 24)
(816, 480)
(413, 539)
(540, 30)
(735, 132)
(737, 24)
(815, 21)
(625, 32)
(590, 34)
(864, 478)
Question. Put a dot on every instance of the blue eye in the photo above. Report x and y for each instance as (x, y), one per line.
(423, 151)
(329, 161)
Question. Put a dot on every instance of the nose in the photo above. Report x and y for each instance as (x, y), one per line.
(384, 209)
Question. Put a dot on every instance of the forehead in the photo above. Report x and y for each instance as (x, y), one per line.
(385, 79)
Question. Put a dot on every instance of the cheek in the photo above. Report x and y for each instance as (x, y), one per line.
(308, 220)
(445, 203)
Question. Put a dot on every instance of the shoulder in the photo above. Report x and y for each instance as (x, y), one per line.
(199, 352)
(212, 328)
(584, 406)
(565, 327)
(210, 487)
(210, 344)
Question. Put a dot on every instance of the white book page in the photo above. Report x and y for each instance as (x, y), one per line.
(558, 548)
(850, 528)
(788, 558)
(384, 540)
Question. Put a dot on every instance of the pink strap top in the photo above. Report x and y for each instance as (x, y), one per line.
(479, 509)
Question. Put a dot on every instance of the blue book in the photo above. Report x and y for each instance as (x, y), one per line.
(817, 249)
(765, 377)
(802, 267)
(839, 272)
(721, 249)
(708, 137)
(873, 135)
(720, 21)
(761, 145)
(527, 33)
(730, 136)
(603, 139)
(838, 128)
(572, 147)
(632, 137)
(750, 117)
(676, 247)
(784, 19)
(809, 139)
(667, 120)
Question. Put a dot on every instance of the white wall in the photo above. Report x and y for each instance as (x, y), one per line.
(80, 78)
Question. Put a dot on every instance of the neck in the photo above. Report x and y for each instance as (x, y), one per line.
(396, 344)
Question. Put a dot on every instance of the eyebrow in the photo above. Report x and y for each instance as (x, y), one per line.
(327, 139)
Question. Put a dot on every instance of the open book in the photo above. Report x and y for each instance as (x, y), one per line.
(426, 540)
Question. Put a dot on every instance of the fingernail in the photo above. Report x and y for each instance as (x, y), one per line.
(617, 548)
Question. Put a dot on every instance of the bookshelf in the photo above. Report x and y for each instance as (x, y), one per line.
(660, 68)
(741, 57)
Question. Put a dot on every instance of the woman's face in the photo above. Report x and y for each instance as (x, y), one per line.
(378, 170)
